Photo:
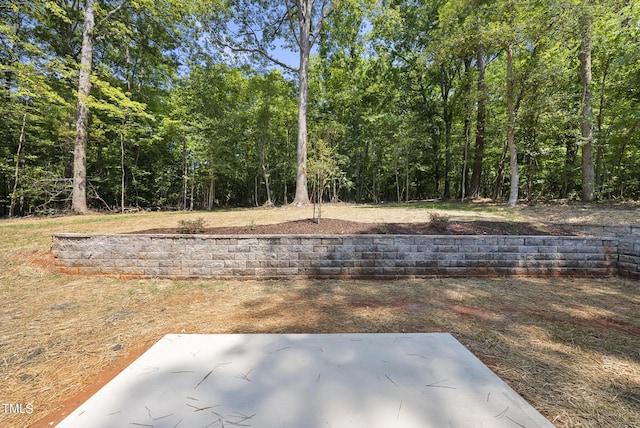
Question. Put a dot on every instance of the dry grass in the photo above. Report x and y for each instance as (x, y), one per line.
(569, 347)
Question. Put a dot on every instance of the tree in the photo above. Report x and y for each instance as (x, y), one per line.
(79, 201)
(511, 125)
(586, 126)
(478, 154)
(299, 24)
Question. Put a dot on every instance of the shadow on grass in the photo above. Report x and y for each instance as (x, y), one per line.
(568, 346)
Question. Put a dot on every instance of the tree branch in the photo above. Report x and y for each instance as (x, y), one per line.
(290, 10)
(111, 14)
(323, 15)
(259, 50)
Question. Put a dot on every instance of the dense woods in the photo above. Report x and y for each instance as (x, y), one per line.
(192, 104)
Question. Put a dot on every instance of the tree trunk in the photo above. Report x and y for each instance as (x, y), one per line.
(262, 155)
(467, 138)
(356, 137)
(193, 186)
(304, 17)
(122, 170)
(478, 155)
(212, 191)
(79, 195)
(265, 176)
(447, 153)
(185, 173)
(569, 163)
(588, 173)
(447, 117)
(513, 154)
(497, 184)
(16, 174)
(398, 197)
(285, 173)
(601, 108)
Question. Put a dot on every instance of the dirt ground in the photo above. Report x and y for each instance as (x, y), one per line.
(571, 347)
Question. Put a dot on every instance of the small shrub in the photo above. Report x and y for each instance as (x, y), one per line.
(439, 222)
(191, 226)
(382, 229)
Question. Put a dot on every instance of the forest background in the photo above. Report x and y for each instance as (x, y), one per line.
(190, 105)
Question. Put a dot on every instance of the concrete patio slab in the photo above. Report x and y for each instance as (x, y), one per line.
(306, 381)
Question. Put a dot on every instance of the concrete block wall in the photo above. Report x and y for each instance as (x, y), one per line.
(629, 253)
(628, 243)
(335, 256)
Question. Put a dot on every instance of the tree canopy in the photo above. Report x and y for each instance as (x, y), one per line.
(193, 105)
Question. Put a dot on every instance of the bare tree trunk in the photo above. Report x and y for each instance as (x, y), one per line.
(447, 153)
(513, 193)
(305, 17)
(356, 137)
(599, 151)
(513, 153)
(185, 173)
(497, 185)
(122, 171)
(588, 173)
(212, 192)
(16, 174)
(467, 148)
(193, 186)
(284, 173)
(79, 195)
(480, 122)
(406, 179)
(265, 173)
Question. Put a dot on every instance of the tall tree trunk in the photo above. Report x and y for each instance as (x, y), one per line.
(447, 153)
(513, 154)
(185, 173)
(468, 106)
(265, 174)
(212, 191)
(16, 174)
(122, 170)
(304, 16)
(586, 127)
(79, 194)
(285, 173)
(264, 167)
(601, 108)
(356, 137)
(478, 155)
(447, 117)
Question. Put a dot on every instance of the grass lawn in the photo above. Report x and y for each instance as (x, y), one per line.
(571, 347)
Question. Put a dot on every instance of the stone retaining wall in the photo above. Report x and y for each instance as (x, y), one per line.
(344, 256)
(628, 244)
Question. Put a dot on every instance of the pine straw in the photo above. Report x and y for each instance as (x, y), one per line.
(569, 347)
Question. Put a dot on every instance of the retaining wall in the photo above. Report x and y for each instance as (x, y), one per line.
(343, 256)
(628, 244)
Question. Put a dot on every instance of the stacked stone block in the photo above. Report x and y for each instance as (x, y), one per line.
(629, 253)
(340, 256)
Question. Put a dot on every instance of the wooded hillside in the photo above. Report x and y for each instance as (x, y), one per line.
(191, 104)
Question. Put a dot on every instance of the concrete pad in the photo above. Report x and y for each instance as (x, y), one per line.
(306, 381)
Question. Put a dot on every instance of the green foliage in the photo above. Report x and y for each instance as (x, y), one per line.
(176, 122)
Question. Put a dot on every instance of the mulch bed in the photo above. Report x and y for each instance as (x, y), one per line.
(329, 226)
